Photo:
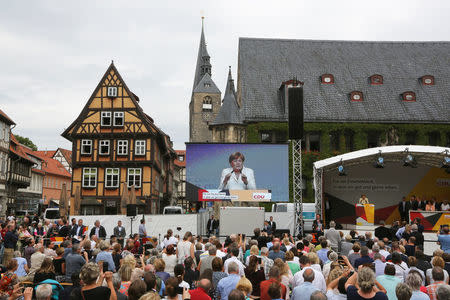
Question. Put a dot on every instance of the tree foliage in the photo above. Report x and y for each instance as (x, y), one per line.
(26, 142)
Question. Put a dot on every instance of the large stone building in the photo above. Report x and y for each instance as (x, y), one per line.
(356, 95)
(116, 146)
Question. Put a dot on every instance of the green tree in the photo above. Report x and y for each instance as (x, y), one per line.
(26, 141)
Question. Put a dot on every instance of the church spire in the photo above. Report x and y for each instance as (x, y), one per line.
(203, 64)
(229, 111)
(229, 90)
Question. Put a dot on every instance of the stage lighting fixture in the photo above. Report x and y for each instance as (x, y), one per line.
(341, 169)
(379, 163)
(409, 160)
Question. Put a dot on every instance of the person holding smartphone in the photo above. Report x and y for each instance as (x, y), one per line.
(255, 273)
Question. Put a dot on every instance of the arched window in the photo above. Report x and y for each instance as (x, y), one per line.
(409, 96)
(207, 104)
(356, 96)
(427, 80)
(376, 79)
(327, 79)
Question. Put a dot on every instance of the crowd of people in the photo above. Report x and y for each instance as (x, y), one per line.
(67, 261)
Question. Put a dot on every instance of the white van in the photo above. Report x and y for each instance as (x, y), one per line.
(52, 214)
(173, 210)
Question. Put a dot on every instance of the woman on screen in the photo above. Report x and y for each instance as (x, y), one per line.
(237, 177)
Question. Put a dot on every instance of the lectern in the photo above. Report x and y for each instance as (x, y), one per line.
(365, 214)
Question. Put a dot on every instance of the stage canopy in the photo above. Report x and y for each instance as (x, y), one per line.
(384, 186)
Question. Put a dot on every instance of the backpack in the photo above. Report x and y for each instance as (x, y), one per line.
(56, 287)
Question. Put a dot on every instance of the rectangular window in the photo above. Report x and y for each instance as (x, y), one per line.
(314, 142)
(434, 138)
(410, 138)
(104, 147)
(373, 139)
(106, 118)
(134, 177)
(86, 146)
(112, 177)
(122, 147)
(349, 141)
(118, 118)
(139, 147)
(334, 141)
(266, 137)
(112, 91)
(89, 177)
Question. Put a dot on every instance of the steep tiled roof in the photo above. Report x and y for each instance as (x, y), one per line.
(19, 150)
(67, 155)
(229, 112)
(52, 166)
(180, 163)
(207, 85)
(4, 117)
(47, 153)
(265, 63)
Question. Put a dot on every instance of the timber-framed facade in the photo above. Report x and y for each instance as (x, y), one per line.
(116, 145)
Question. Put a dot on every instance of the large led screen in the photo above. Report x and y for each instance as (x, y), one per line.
(237, 172)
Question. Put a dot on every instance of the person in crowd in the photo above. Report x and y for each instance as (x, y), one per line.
(414, 281)
(105, 256)
(346, 245)
(285, 273)
(389, 281)
(191, 275)
(352, 257)
(274, 291)
(445, 206)
(333, 236)
(78, 232)
(9, 279)
(185, 248)
(74, 262)
(266, 262)
(272, 224)
(227, 284)
(142, 230)
(437, 275)
(160, 267)
(198, 251)
(293, 265)
(323, 252)
(437, 261)
(319, 280)
(120, 232)
(367, 289)
(116, 284)
(364, 259)
(315, 261)
(169, 239)
(403, 208)
(29, 250)
(46, 271)
(274, 277)
(245, 286)
(255, 274)
(91, 290)
(202, 290)
(444, 239)
(212, 226)
(317, 226)
(234, 252)
(253, 251)
(402, 292)
(36, 261)
(412, 265)
(206, 262)
(336, 286)
(396, 249)
(117, 255)
(443, 292)
(22, 266)
(276, 252)
(98, 230)
(305, 289)
(9, 241)
(170, 259)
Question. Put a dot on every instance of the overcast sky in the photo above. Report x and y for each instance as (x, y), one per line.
(53, 53)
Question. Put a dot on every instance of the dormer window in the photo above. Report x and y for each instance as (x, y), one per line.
(409, 96)
(356, 96)
(207, 104)
(112, 91)
(376, 79)
(427, 80)
(327, 79)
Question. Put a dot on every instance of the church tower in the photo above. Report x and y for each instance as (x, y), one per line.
(205, 99)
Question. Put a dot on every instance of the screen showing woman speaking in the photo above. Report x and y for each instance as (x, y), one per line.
(237, 172)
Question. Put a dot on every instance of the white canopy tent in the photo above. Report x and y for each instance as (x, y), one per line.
(432, 156)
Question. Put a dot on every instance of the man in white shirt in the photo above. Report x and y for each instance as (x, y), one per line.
(319, 280)
(382, 249)
(234, 254)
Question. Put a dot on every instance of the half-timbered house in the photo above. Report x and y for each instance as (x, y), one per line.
(116, 145)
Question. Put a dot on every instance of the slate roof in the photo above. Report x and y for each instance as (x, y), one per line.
(206, 85)
(202, 52)
(229, 112)
(265, 63)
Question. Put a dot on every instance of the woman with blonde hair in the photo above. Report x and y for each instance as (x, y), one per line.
(285, 274)
(367, 287)
(185, 249)
(254, 251)
(295, 267)
(437, 261)
(245, 286)
(315, 261)
(125, 272)
(92, 289)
